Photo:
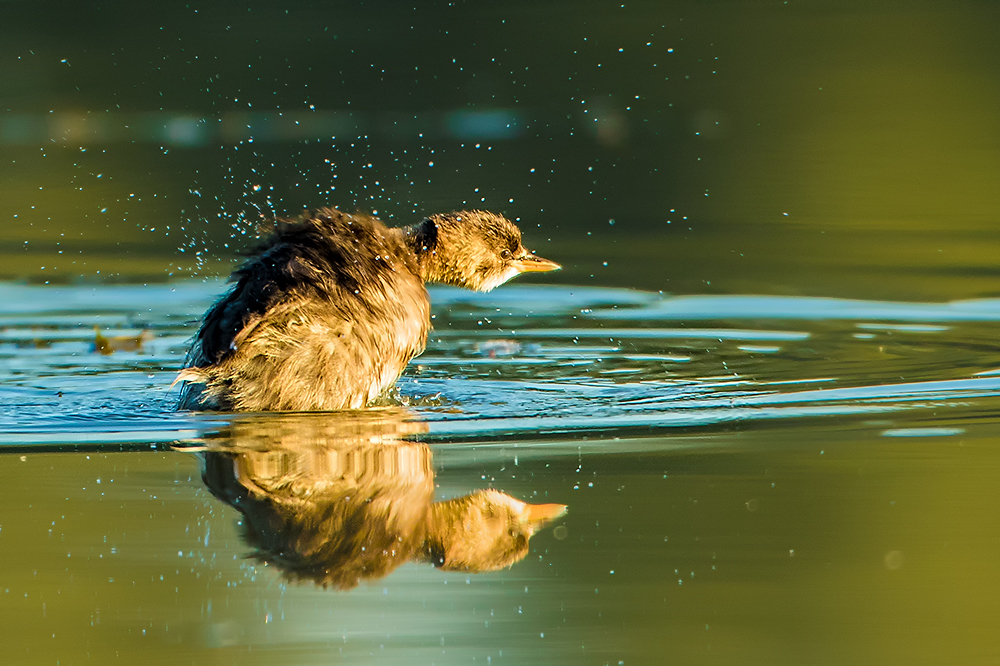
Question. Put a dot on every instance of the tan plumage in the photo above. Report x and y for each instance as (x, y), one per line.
(328, 311)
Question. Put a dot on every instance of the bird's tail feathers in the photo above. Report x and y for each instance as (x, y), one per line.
(192, 376)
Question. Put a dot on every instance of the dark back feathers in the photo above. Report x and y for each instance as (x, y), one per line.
(323, 254)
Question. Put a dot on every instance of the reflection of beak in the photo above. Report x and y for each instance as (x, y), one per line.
(536, 516)
(529, 263)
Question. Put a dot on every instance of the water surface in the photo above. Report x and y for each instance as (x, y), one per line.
(752, 479)
(786, 456)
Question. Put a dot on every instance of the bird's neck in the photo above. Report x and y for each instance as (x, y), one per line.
(432, 264)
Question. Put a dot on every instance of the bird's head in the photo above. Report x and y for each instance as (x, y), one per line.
(473, 249)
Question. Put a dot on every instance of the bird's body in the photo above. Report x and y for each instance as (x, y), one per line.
(326, 314)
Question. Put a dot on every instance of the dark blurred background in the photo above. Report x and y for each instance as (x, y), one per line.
(816, 147)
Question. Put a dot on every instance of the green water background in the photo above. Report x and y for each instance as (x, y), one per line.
(833, 501)
(816, 148)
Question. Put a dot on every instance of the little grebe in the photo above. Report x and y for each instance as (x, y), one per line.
(328, 311)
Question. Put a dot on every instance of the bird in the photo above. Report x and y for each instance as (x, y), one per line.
(328, 310)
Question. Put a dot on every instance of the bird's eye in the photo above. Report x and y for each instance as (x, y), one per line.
(505, 255)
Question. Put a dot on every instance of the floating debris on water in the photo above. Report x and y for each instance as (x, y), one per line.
(109, 345)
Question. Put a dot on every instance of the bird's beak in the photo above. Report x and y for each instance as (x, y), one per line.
(536, 516)
(529, 263)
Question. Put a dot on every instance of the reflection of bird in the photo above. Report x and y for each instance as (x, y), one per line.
(338, 502)
(330, 309)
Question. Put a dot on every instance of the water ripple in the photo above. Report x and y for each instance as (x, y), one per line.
(523, 360)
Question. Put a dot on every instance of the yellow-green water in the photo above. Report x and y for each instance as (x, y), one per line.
(763, 480)
(764, 384)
